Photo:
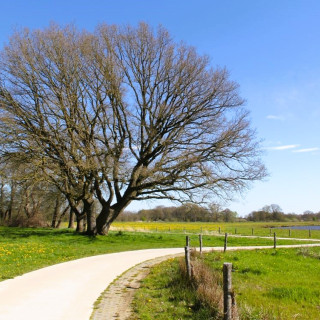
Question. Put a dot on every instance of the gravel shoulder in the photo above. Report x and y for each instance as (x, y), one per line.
(115, 301)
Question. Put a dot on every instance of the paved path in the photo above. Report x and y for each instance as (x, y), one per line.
(67, 291)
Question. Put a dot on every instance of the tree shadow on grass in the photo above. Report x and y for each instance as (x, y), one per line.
(16, 232)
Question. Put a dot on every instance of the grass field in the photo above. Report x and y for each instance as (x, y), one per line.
(26, 249)
(285, 278)
(240, 228)
(269, 284)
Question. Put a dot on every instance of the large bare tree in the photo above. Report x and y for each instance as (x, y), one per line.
(124, 114)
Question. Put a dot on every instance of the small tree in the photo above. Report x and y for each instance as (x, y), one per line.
(215, 212)
(228, 215)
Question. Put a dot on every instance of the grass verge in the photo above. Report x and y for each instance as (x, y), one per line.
(269, 284)
(26, 249)
(165, 295)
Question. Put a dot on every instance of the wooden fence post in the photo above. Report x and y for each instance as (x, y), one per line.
(309, 233)
(274, 241)
(225, 242)
(200, 241)
(219, 230)
(227, 291)
(188, 263)
(187, 241)
(187, 257)
(270, 232)
(252, 231)
(235, 231)
(289, 232)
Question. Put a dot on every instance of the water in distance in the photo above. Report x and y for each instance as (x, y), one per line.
(300, 227)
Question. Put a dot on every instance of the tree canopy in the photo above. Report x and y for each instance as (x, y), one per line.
(123, 114)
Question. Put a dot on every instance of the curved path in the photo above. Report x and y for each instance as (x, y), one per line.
(67, 291)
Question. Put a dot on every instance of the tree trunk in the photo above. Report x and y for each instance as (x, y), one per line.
(84, 223)
(61, 216)
(77, 210)
(2, 210)
(107, 228)
(27, 205)
(106, 218)
(12, 196)
(71, 219)
(101, 221)
(55, 212)
(80, 224)
(91, 219)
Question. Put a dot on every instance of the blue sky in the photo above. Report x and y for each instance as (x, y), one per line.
(271, 48)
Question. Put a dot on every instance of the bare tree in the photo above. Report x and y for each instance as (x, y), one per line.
(272, 208)
(124, 114)
(47, 116)
(181, 131)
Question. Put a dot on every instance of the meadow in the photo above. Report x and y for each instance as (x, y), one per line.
(232, 228)
(26, 249)
(262, 278)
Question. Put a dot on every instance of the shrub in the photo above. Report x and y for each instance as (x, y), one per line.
(35, 221)
(206, 284)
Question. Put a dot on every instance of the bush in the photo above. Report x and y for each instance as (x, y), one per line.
(206, 284)
(21, 221)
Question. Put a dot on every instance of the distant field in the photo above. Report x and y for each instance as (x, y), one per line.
(240, 228)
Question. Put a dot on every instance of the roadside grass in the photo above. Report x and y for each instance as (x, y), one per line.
(26, 249)
(282, 282)
(239, 228)
(165, 295)
(269, 284)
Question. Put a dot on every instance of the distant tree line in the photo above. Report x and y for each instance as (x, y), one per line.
(214, 213)
(32, 202)
(187, 213)
(274, 213)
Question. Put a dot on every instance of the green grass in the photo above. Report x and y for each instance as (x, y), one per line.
(240, 228)
(284, 282)
(26, 249)
(165, 296)
(269, 284)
